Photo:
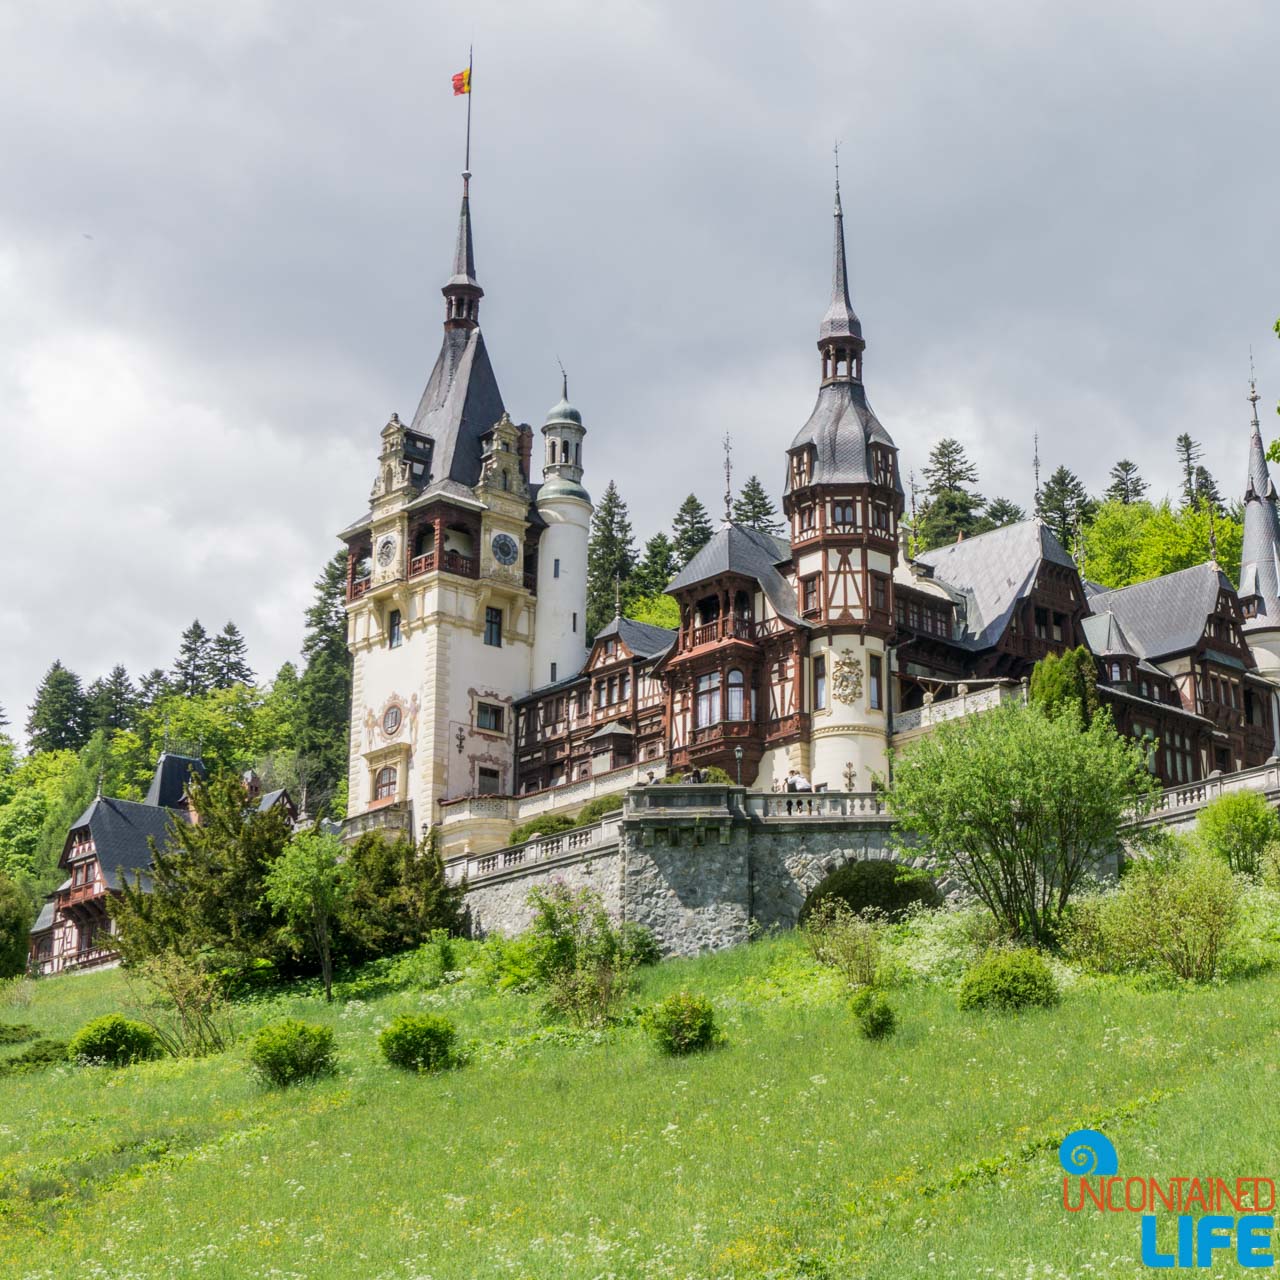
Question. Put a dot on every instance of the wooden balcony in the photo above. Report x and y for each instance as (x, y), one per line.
(450, 562)
(359, 586)
(530, 581)
(422, 564)
(722, 629)
(80, 893)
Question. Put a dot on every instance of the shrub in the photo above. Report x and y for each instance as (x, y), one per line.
(875, 1018)
(712, 773)
(16, 1032)
(113, 1041)
(886, 886)
(683, 1023)
(1009, 980)
(637, 945)
(578, 955)
(1173, 917)
(509, 964)
(37, 1055)
(285, 1052)
(845, 941)
(183, 1004)
(548, 824)
(1237, 828)
(419, 1042)
(595, 809)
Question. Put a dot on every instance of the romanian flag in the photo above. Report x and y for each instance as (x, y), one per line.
(462, 82)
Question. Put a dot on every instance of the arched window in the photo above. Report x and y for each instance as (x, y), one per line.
(707, 708)
(564, 451)
(384, 784)
(737, 702)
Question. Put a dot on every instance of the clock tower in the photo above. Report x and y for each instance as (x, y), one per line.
(441, 593)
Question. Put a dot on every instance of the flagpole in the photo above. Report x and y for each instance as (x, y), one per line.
(470, 53)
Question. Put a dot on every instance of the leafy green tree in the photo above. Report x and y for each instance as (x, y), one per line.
(16, 917)
(208, 883)
(308, 884)
(1237, 828)
(398, 896)
(1130, 543)
(949, 469)
(111, 702)
(1019, 806)
(656, 568)
(1067, 681)
(193, 671)
(754, 508)
(324, 694)
(29, 792)
(1064, 505)
(1114, 542)
(229, 658)
(1189, 454)
(691, 530)
(611, 556)
(1126, 486)
(58, 719)
(657, 611)
(1001, 512)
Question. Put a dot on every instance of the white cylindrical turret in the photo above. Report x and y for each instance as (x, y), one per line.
(560, 637)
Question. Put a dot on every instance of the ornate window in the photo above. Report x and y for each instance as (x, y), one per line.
(391, 718)
(707, 707)
(737, 701)
(493, 627)
(876, 697)
(809, 594)
(843, 514)
(488, 717)
(819, 683)
(384, 783)
(488, 782)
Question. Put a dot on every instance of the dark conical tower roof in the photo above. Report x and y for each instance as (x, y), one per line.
(841, 321)
(1260, 552)
(461, 401)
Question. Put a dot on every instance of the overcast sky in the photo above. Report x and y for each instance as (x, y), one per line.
(224, 227)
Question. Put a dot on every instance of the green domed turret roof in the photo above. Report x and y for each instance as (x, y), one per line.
(563, 412)
(561, 487)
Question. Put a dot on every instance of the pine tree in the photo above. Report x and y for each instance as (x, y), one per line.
(324, 702)
(755, 509)
(1207, 490)
(949, 468)
(656, 568)
(229, 658)
(1064, 505)
(153, 686)
(1126, 485)
(4, 719)
(1002, 512)
(1189, 453)
(691, 531)
(611, 557)
(953, 514)
(193, 670)
(58, 715)
(112, 702)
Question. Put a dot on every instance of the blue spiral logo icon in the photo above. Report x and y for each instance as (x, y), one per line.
(1088, 1153)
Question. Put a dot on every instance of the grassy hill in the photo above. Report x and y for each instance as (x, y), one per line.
(797, 1150)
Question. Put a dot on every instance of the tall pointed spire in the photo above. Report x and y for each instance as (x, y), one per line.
(1260, 552)
(462, 292)
(840, 334)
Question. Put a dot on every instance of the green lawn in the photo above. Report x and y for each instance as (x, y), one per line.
(797, 1150)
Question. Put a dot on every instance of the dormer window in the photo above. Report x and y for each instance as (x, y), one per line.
(882, 464)
(800, 468)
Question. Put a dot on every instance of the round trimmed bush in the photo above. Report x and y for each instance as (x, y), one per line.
(885, 886)
(1009, 980)
(113, 1041)
(683, 1023)
(285, 1052)
(875, 1018)
(547, 824)
(419, 1042)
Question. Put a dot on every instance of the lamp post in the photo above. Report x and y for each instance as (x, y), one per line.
(737, 755)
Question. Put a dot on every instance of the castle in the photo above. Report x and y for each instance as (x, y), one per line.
(479, 700)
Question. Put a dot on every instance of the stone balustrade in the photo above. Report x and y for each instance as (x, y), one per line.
(564, 845)
(963, 704)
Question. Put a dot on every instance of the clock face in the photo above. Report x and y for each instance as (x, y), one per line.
(505, 550)
(386, 551)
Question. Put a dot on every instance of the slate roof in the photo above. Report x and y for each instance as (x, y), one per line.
(460, 404)
(1260, 552)
(121, 831)
(642, 638)
(609, 729)
(992, 572)
(840, 320)
(842, 428)
(735, 548)
(45, 919)
(169, 782)
(1105, 636)
(1165, 615)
